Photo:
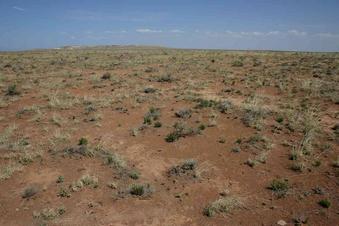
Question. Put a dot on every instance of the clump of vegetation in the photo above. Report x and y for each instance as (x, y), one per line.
(237, 63)
(49, 213)
(224, 106)
(7, 170)
(149, 70)
(12, 90)
(89, 180)
(279, 187)
(82, 150)
(223, 205)
(279, 119)
(63, 192)
(221, 106)
(172, 137)
(335, 129)
(60, 179)
(165, 78)
(186, 168)
(297, 166)
(30, 192)
(114, 160)
(236, 149)
(157, 124)
(149, 90)
(309, 126)
(254, 113)
(106, 76)
(203, 103)
(152, 115)
(184, 113)
(221, 140)
(84, 181)
(181, 130)
(83, 141)
(336, 163)
(140, 190)
(62, 101)
(134, 174)
(325, 203)
(251, 162)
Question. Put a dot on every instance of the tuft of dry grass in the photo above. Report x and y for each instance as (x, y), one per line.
(223, 205)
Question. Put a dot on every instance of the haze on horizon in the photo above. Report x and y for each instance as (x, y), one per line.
(304, 25)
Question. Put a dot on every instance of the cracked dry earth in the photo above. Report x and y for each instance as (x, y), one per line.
(156, 136)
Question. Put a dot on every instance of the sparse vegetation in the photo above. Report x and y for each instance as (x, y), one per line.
(152, 115)
(279, 187)
(186, 168)
(48, 214)
(83, 141)
(87, 125)
(181, 130)
(223, 205)
(140, 190)
(184, 113)
(115, 160)
(325, 203)
(254, 113)
(12, 90)
(30, 191)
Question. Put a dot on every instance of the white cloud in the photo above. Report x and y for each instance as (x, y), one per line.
(249, 33)
(273, 33)
(327, 35)
(297, 33)
(115, 32)
(146, 30)
(176, 31)
(18, 8)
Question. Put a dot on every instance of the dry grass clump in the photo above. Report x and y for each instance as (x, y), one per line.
(223, 205)
(184, 113)
(279, 187)
(85, 181)
(59, 138)
(152, 115)
(309, 127)
(62, 101)
(186, 168)
(254, 113)
(114, 160)
(181, 130)
(30, 191)
(142, 190)
(48, 214)
(7, 170)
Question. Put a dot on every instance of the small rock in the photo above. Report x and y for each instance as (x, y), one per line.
(281, 222)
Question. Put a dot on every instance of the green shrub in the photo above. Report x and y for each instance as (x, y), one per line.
(172, 137)
(12, 90)
(279, 187)
(134, 175)
(140, 189)
(157, 124)
(237, 63)
(325, 203)
(63, 192)
(83, 141)
(60, 179)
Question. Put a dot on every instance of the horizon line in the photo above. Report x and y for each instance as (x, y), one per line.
(69, 47)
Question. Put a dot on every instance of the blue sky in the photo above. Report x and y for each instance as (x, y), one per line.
(305, 25)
